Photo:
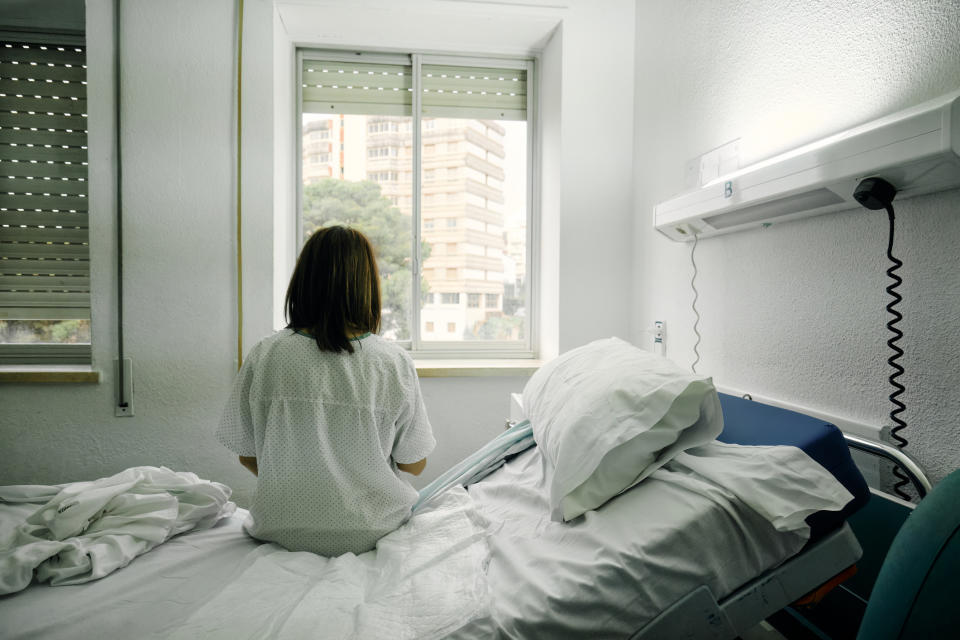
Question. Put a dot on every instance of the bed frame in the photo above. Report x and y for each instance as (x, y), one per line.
(699, 615)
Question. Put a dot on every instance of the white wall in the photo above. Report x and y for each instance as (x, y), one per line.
(179, 235)
(796, 312)
(596, 178)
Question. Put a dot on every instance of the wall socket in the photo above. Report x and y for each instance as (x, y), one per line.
(125, 411)
(660, 334)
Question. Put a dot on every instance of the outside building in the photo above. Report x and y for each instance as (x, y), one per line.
(319, 159)
(474, 261)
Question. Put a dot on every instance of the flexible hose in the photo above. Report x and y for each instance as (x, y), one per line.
(696, 296)
(893, 360)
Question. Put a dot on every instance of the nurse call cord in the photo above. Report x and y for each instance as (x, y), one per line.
(877, 193)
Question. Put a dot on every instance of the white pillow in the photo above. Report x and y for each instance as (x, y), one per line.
(606, 415)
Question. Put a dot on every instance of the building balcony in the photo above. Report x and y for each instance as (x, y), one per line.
(484, 191)
(484, 215)
(317, 146)
(475, 137)
(464, 261)
(462, 234)
(474, 161)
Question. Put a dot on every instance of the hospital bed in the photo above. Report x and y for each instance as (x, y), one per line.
(655, 562)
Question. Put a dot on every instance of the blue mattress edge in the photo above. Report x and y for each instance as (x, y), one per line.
(747, 422)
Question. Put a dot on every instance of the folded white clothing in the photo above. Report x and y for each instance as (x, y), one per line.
(86, 530)
(781, 483)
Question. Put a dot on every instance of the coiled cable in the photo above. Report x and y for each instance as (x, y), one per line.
(693, 305)
(893, 360)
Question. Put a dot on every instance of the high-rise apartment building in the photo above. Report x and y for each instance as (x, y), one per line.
(319, 157)
(462, 214)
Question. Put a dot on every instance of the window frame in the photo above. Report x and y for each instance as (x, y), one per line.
(435, 349)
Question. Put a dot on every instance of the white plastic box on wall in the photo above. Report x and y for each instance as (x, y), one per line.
(916, 150)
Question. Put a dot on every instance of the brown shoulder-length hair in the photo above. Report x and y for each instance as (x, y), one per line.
(335, 288)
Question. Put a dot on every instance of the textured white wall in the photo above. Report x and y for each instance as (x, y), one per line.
(796, 311)
(596, 180)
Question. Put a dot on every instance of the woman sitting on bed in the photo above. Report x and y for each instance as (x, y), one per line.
(326, 413)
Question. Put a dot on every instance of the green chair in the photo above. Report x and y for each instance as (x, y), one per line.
(915, 592)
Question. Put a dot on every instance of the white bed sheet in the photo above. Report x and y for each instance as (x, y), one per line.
(609, 573)
(601, 576)
(167, 583)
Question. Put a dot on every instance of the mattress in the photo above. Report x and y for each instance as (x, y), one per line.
(746, 422)
(604, 575)
(607, 574)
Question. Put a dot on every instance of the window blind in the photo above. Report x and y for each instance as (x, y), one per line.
(44, 230)
(473, 92)
(356, 87)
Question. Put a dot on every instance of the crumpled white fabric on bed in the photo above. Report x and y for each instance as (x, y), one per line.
(782, 484)
(86, 530)
(425, 580)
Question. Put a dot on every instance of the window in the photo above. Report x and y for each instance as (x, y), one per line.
(460, 153)
(44, 248)
(378, 152)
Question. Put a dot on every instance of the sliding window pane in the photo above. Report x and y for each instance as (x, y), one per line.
(357, 172)
(473, 217)
(357, 167)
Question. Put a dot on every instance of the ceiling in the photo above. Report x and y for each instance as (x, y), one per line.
(472, 26)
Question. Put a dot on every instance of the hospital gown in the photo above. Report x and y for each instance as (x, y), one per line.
(327, 430)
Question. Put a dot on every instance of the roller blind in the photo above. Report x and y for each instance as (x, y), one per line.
(473, 92)
(44, 243)
(356, 87)
(387, 89)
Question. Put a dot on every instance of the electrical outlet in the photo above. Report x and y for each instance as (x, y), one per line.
(123, 402)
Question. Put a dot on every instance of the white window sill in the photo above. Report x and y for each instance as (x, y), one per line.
(475, 368)
(48, 373)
